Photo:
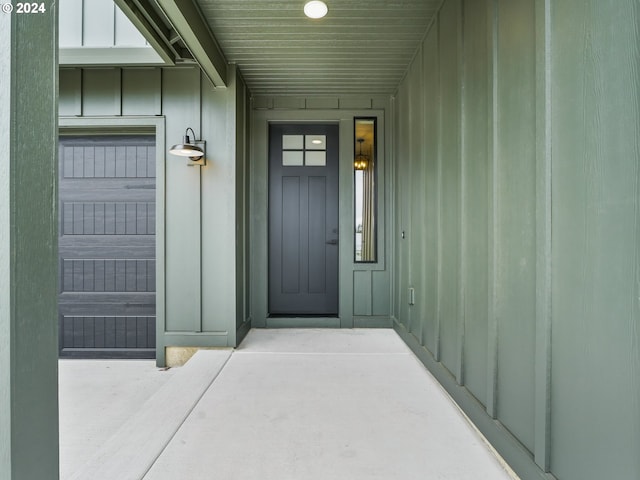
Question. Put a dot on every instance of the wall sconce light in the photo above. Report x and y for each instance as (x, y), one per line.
(189, 149)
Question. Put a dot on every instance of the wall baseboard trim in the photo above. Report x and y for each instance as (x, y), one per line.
(513, 452)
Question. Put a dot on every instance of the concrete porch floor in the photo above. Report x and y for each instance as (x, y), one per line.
(287, 404)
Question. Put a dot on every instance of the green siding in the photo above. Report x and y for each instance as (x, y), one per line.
(415, 213)
(381, 293)
(101, 92)
(183, 242)
(528, 217)
(28, 248)
(596, 334)
(431, 193)
(141, 91)
(515, 216)
(402, 229)
(362, 293)
(204, 278)
(475, 188)
(450, 176)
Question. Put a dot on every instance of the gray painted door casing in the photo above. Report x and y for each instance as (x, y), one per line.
(303, 227)
(107, 246)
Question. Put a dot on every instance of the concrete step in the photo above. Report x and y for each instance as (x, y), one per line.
(133, 449)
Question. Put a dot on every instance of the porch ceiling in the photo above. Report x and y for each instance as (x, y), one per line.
(359, 47)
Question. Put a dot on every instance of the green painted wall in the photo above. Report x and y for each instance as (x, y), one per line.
(28, 250)
(595, 262)
(203, 296)
(515, 222)
(476, 174)
(516, 184)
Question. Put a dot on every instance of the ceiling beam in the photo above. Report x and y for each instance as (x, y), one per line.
(187, 20)
(148, 30)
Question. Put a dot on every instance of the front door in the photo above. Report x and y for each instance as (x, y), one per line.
(303, 220)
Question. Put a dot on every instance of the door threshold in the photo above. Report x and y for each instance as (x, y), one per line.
(302, 321)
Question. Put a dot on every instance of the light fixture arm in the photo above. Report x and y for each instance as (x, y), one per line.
(186, 135)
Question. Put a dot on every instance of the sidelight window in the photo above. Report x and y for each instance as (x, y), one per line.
(364, 175)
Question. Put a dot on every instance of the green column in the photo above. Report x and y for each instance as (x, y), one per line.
(28, 245)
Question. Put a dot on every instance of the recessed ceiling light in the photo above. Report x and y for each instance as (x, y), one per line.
(315, 9)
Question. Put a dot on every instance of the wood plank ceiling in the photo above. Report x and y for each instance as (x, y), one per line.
(360, 47)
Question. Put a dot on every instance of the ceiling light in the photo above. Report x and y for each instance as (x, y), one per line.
(315, 9)
(316, 142)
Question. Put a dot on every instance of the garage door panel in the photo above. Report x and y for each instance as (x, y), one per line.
(100, 335)
(108, 218)
(108, 275)
(108, 186)
(109, 304)
(85, 245)
(107, 246)
(107, 158)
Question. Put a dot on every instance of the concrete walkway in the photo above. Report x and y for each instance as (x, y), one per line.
(288, 404)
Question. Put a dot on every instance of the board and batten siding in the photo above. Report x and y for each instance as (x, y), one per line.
(516, 222)
(201, 253)
(97, 32)
(96, 23)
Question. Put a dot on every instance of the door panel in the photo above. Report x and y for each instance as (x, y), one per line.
(106, 304)
(303, 220)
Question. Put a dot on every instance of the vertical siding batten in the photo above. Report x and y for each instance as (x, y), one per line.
(462, 224)
(415, 221)
(494, 220)
(449, 21)
(438, 333)
(517, 229)
(542, 415)
(431, 190)
(476, 199)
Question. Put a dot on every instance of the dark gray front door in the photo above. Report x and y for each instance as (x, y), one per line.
(107, 246)
(303, 219)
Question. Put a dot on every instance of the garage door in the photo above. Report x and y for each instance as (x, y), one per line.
(107, 246)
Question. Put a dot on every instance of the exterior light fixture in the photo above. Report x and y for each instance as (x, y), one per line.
(361, 161)
(190, 149)
(315, 9)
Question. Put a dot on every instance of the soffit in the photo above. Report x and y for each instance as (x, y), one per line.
(359, 47)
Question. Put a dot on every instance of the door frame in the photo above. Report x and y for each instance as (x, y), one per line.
(259, 182)
(136, 125)
(276, 174)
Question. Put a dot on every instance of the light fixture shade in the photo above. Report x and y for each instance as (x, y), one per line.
(186, 150)
(315, 9)
(361, 162)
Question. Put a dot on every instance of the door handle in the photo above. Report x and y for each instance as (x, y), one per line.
(332, 242)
